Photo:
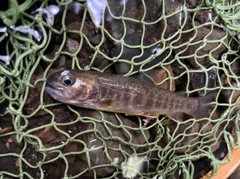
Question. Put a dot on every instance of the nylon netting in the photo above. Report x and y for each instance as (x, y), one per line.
(183, 46)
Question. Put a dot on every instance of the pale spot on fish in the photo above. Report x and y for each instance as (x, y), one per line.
(65, 72)
(78, 83)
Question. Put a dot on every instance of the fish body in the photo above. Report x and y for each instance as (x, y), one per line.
(115, 93)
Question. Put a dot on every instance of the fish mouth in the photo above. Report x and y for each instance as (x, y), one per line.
(53, 92)
(58, 94)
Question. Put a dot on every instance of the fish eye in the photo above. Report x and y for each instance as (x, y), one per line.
(68, 80)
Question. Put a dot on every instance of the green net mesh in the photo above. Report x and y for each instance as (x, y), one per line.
(181, 45)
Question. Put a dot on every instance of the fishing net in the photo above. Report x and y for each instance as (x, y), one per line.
(182, 46)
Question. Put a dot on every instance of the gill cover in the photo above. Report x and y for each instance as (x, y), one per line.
(71, 87)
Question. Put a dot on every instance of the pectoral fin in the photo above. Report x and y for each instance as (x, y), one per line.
(149, 115)
(145, 77)
(107, 103)
(177, 116)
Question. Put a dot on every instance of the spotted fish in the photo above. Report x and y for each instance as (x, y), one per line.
(115, 93)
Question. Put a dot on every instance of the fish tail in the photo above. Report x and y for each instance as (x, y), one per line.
(204, 106)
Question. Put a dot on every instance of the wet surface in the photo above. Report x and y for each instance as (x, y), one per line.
(180, 52)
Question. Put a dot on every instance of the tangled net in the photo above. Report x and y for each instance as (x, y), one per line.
(190, 46)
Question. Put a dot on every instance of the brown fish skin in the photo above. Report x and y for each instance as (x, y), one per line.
(114, 93)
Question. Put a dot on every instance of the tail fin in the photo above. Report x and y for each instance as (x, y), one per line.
(204, 106)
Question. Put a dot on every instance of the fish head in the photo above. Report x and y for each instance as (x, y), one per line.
(72, 87)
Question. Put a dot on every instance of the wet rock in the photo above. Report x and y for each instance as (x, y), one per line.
(235, 67)
(160, 77)
(73, 30)
(137, 58)
(175, 19)
(206, 16)
(201, 42)
(71, 146)
(105, 142)
(186, 143)
(33, 101)
(93, 35)
(201, 80)
(72, 45)
(49, 134)
(90, 144)
(204, 165)
(180, 83)
(133, 9)
(4, 105)
(7, 163)
(55, 169)
(230, 95)
(33, 157)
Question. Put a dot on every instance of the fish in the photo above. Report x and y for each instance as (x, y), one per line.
(121, 94)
